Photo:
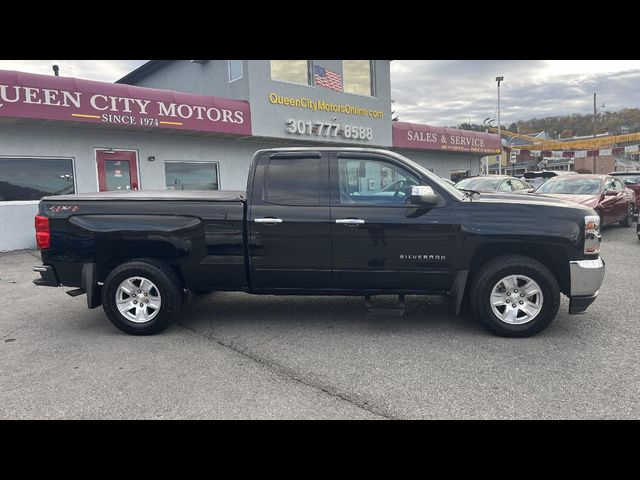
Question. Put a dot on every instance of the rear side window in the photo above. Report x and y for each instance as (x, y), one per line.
(294, 181)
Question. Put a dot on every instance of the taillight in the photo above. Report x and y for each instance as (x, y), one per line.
(43, 237)
(592, 234)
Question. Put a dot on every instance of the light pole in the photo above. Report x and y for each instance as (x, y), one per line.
(487, 121)
(499, 79)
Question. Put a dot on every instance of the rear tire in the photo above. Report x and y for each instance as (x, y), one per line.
(486, 287)
(628, 220)
(161, 286)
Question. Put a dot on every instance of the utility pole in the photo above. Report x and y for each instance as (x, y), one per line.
(594, 115)
(499, 79)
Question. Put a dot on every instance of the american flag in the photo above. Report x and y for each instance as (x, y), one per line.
(327, 78)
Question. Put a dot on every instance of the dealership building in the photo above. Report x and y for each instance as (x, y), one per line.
(196, 125)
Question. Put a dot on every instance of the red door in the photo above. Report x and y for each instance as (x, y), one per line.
(117, 170)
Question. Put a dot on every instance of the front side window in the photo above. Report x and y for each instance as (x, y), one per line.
(505, 186)
(372, 182)
(517, 185)
(191, 175)
(610, 184)
(235, 70)
(294, 181)
(357, 77)
(34, 178)
(292, 71)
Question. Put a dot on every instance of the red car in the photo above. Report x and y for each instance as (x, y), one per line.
(631, 180)
(604, 193)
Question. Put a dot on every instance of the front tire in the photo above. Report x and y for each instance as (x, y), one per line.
(508, 277)
(142, 296)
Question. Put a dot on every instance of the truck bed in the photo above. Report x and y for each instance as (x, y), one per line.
(199, 232)
(146, 195)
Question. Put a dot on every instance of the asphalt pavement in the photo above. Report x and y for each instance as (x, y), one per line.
(238, 356)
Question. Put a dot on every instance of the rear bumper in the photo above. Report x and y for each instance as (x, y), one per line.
(586, 280)
(48, 277)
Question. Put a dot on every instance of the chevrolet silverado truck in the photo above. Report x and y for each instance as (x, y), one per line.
(321, 221)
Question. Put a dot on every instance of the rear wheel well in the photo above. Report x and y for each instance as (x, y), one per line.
(552, 258)
(118, 253)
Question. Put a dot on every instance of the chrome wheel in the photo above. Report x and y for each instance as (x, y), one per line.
(516, 299)
(138, 299)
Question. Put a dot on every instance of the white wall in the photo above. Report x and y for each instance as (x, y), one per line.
(17, 230)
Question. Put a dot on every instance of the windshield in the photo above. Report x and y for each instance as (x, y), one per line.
(574, 186)
(631, 179)
(486, 184)
(453, 191)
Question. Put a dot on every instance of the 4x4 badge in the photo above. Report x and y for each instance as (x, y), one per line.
(64, 208)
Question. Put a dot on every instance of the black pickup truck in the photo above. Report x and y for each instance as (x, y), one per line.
(324, 221)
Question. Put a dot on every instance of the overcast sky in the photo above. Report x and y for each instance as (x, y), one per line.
(450, 92)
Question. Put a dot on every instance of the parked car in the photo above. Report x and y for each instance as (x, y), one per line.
(399, 188)
(604, 193)
(631, 180)
(301, 228)
(535, 179)
(402, 188)
(495, 183)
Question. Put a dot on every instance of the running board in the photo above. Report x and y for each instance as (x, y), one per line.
(75, 292)
(385, 311)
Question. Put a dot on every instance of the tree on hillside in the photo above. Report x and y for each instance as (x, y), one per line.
(626, 120)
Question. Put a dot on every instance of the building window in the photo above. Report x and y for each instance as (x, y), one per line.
(292, 71)
(357, 77)
(235, 70)
(25, 178)
(191, 175)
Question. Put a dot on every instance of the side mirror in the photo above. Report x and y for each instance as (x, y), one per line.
(423, 195)
(610, 193)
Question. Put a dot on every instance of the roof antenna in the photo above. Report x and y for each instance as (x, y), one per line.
(55, 70)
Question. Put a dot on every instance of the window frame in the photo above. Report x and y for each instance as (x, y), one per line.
(310, 78)
(216, 164)
(231, 80)
(40, 157)
(372, 81)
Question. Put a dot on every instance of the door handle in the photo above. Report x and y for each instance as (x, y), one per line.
(268, 220)
(350, 221)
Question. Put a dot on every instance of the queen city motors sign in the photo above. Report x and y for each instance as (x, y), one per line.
(24, 95)
(426, 137)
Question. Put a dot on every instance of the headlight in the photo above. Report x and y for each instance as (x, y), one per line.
(592, 234)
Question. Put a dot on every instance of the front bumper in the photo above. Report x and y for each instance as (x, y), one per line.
(48, 277)
(586, 279)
